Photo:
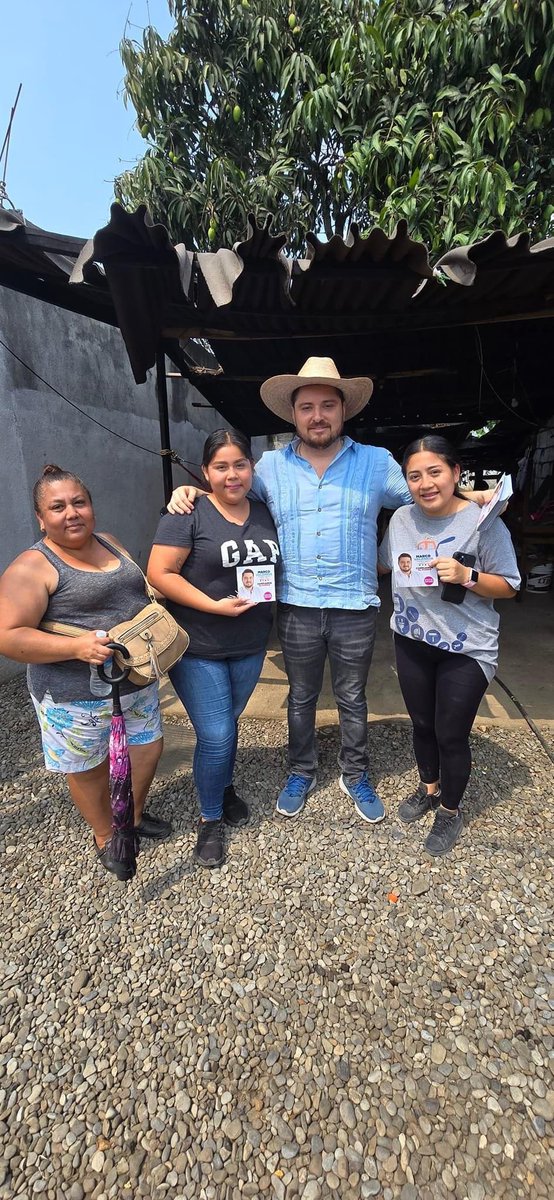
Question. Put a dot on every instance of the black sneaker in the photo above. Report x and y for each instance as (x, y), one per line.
(235, 811)
(154, 827)
(119, 869)
(417, 805)
(209, 843)
(445, 832)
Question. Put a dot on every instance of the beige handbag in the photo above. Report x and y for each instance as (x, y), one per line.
(153, 638)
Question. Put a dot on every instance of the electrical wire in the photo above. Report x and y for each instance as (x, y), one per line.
(182, 462)
(512, 412)
(529, 719)
(4, 152)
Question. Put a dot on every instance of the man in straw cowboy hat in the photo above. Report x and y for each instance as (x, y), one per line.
(325, 492)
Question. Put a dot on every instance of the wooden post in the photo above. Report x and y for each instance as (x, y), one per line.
(161, 392)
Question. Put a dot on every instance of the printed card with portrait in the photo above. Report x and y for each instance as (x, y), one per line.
(256, 584)
(410, 564)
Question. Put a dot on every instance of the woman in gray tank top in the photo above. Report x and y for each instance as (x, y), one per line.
(73, 575)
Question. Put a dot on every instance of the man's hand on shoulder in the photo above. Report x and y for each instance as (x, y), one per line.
(183, 500)
(480, 497)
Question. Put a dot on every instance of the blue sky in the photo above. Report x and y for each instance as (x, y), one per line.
(72, 133)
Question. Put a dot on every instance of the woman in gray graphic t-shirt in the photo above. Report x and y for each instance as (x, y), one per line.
(446, 642)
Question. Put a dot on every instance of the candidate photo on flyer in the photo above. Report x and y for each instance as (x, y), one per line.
(256, 584)
(411, 570)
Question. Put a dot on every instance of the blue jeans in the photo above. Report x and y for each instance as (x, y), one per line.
(214, 693)
(308, 636)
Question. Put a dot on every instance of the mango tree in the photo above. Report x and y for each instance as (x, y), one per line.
(328, 112)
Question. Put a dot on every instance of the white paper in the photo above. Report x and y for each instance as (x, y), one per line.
(256, 584)
(499, 501)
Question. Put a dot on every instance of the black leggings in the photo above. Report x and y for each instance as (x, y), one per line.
(442, 692)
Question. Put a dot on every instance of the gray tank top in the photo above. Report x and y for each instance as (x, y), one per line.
(92, 600)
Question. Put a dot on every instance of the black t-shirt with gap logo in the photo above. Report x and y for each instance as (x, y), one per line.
(218, 547)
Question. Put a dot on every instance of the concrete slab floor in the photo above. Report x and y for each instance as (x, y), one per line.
(526, 666)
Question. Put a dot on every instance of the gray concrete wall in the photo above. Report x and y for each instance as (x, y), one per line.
(191, 420)
(87, 362)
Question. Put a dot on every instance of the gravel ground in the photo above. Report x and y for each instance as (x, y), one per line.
(332, 1014)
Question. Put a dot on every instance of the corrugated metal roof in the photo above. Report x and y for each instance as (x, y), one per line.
(345, 286)
(374, 303)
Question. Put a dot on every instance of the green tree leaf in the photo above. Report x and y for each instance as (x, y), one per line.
(434, 110)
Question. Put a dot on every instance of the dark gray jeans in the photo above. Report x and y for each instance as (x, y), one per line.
(346, 637)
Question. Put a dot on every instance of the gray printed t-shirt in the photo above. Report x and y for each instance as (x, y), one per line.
(419, 613)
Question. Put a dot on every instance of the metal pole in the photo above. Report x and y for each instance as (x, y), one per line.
(161, 392)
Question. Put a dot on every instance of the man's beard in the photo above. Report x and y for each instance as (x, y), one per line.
(323, 441)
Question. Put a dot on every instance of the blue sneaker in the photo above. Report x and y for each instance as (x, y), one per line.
(292, 799)
(366, 800)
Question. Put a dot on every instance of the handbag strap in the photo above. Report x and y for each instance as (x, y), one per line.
(76, 630)
(119, 550)
(61, 627)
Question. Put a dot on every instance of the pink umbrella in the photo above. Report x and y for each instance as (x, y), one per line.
(124, 843)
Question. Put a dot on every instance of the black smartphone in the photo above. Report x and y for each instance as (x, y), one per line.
(455, 593)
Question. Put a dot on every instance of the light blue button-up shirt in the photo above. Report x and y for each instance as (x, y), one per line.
(328, 527)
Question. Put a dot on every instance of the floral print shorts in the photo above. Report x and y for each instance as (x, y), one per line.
(76, 734)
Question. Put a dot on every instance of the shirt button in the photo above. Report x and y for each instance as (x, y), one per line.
(318, 555)
(318, 534)
(319, 509)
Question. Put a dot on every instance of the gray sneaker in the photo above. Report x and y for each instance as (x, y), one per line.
(417, 805)
(444, 834)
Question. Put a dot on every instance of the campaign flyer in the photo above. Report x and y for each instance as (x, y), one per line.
(256, 584)
(497, 503)
(410, 565)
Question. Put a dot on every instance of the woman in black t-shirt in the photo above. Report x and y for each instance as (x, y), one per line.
(197, 563)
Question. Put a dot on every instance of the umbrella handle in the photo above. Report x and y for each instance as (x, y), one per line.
(124, 671)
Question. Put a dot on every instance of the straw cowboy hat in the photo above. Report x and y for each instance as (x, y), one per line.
(277, 392)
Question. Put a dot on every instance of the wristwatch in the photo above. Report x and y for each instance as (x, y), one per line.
(473, 579)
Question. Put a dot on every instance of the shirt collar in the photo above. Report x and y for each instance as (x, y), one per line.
(291, 449)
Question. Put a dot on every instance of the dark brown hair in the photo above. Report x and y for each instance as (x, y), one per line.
(53, 474)
(225, 437)
(433, 443)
